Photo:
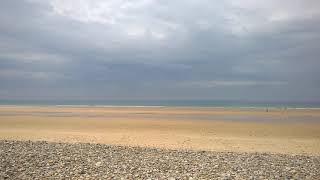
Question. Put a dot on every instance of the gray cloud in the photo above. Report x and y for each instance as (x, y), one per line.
(148, 49)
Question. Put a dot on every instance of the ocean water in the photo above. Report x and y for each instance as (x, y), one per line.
(169, 103)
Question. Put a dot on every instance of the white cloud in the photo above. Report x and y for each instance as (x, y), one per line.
(29, 75)
(247, 17)
(158, 35)
(86, 11)
(136, 31)
(98, 11)
(32, 57)
(239, 17)
(224, 83)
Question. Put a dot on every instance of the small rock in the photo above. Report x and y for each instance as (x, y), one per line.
(98, 164)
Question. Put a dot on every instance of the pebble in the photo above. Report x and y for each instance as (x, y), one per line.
(47, 160)
(98, 164)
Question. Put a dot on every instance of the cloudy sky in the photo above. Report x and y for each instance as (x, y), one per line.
(168, 49)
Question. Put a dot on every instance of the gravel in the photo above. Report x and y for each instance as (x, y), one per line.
(47, 160)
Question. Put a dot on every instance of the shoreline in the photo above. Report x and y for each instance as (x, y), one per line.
(165, 106)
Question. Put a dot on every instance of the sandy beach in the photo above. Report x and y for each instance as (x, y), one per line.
(286, 131)
(158, 143)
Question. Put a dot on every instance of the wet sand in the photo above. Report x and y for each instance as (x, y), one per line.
(287, 131)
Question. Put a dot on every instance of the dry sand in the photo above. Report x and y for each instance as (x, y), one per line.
(293, 131)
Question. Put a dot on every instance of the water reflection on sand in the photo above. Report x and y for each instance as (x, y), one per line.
(284, 117)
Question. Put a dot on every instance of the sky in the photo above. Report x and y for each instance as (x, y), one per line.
(168, 49)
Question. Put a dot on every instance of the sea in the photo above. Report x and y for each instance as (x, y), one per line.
(167, 103)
